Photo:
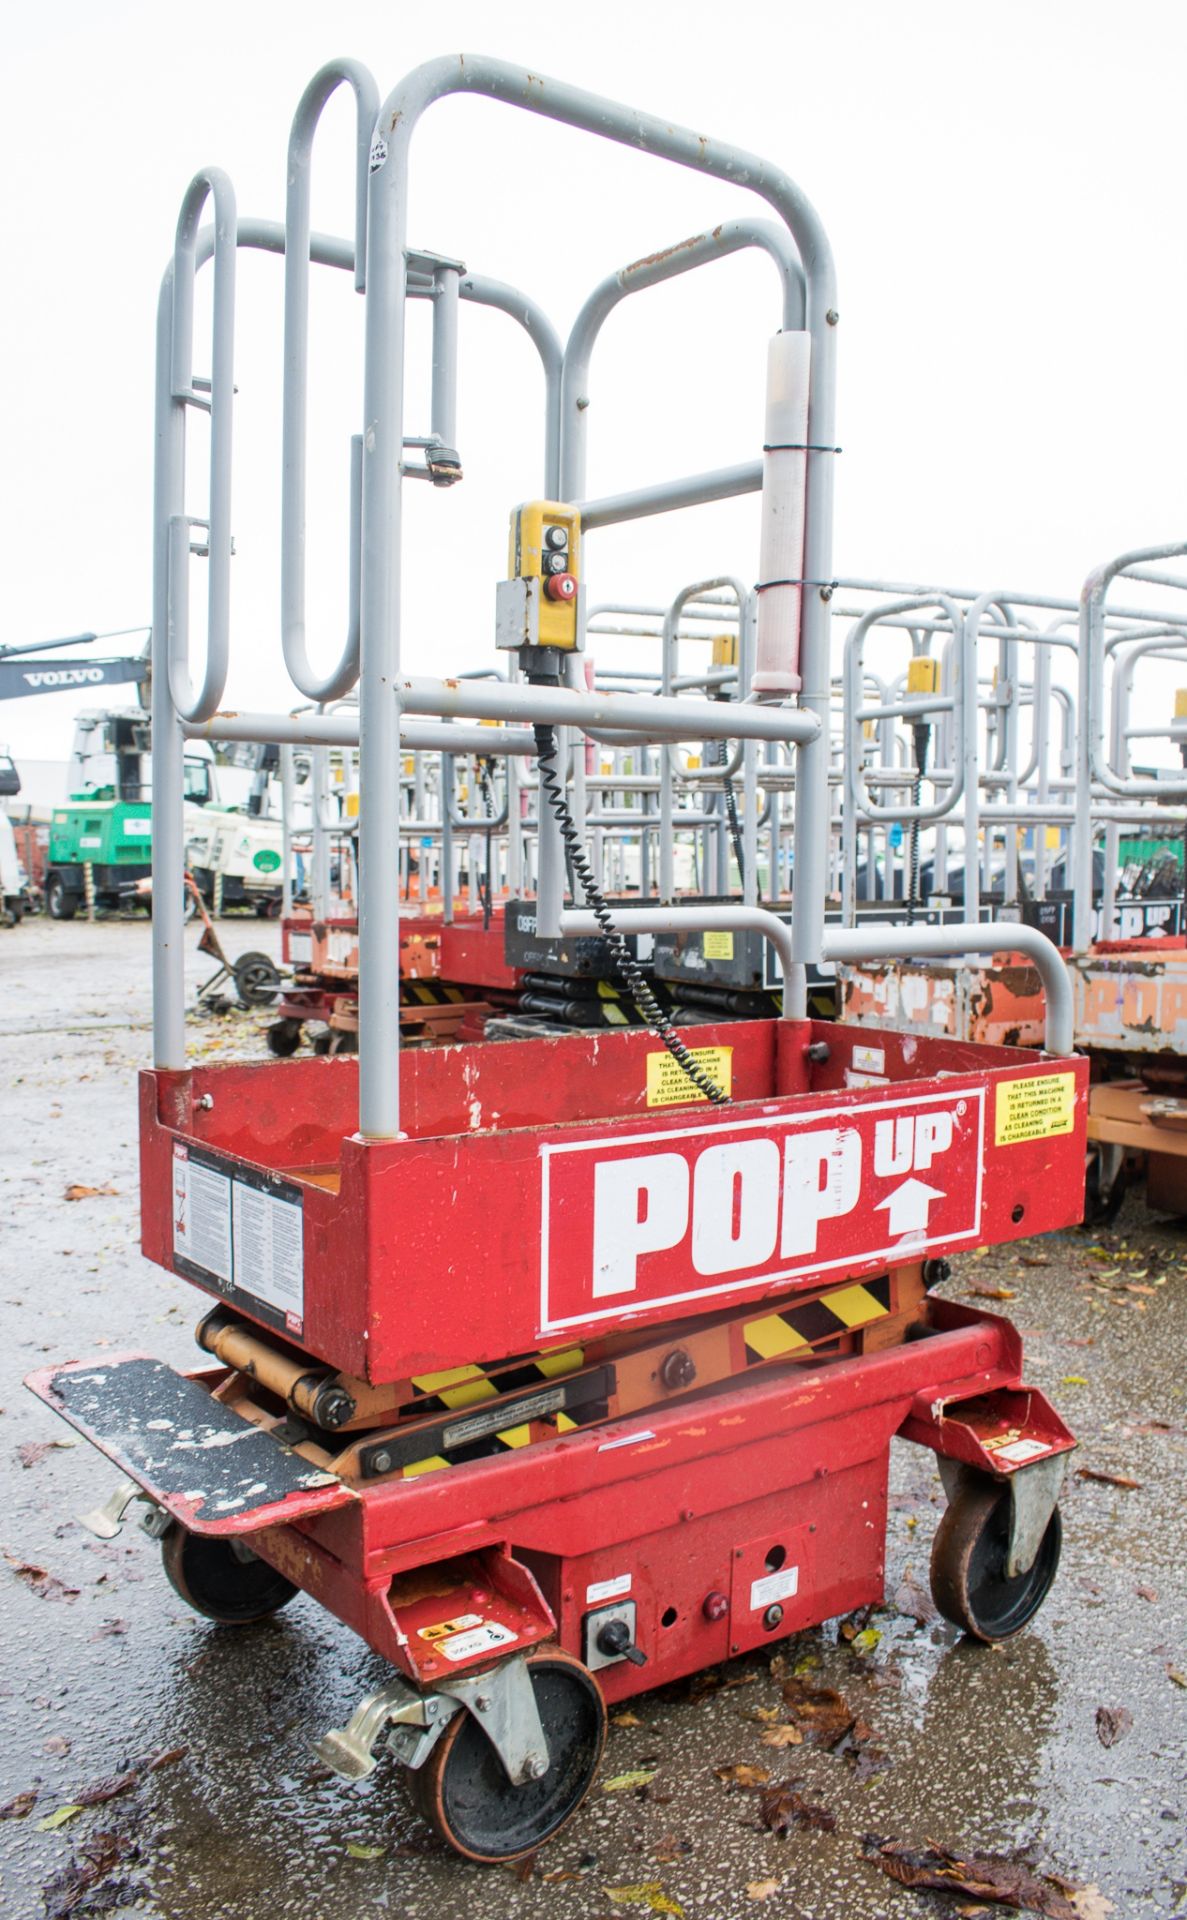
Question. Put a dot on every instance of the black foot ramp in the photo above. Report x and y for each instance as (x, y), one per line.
(212, 1470)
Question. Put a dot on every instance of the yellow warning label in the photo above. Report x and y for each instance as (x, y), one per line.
(1033, 1109)
(717, 946)
(669, 1086)
(444, 1628)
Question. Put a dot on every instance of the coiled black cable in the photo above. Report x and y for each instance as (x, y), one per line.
(731, 809)
(485, 770)
(629, 974)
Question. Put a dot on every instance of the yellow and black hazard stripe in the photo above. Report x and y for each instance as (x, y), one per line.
(430, 993)
(475, 1431)
(794, 1328)
(471, 1413)
(458, 1387)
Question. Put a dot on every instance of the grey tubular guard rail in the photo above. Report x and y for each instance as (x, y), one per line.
(963, 939)
(387, 240)
(966, 939)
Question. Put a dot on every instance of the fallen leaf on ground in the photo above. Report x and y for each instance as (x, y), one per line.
(1180, 1679)
(108, 1789)
(78, 1192)
(522, 1869)
(1035, 1260)
(93, 1862)
(59, 1817)
(1147, 1593)
(1111, 1723)
(781, 1736)
(1073, 1380)
(916, 1602)
(621, 1782)
(822, 1714)
(31, 1451)
(110, 1629)
(57, 1743)
(44, 1584)
(986, 1876)
(782, 1808)
(648, 1893)
(866, 1640)
(167, 1759)
(626, 1720)
(358, 1852)
(762, 1889)
(989, 1293)
(1107, 1479)
(1090, 1903)
(19, 1805)
(743, 1775)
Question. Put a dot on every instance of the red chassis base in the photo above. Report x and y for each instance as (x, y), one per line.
(723, 1521)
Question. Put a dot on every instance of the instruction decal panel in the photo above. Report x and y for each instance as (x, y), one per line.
(242, 1232)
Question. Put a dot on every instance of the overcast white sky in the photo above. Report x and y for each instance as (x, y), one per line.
(1003, 187)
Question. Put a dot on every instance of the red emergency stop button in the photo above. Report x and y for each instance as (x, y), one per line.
(715, 1606)
(561, 586)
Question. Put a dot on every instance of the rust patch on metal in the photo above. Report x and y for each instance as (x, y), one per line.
(667, 253)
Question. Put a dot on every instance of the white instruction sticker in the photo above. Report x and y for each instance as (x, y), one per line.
(607, 1589)
(774, 1586)
(243, 1228)
(201, 1215)
(1019, 1451)
(269, 1250)
(463, 1646)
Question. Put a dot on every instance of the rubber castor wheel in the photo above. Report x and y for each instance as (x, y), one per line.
(969, 1582)
(257, 981)
(1105, 1184)
(463, 1791)
(211, 1578)
(284, 1037)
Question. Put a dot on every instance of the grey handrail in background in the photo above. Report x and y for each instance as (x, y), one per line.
(341, 677)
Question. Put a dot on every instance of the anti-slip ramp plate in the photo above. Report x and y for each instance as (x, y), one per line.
(212, 1470)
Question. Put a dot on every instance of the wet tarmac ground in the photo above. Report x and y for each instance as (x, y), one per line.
(220, 1810)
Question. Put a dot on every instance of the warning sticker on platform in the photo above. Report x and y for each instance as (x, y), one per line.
(478, 1636)
(1034, 1109)
(244, 1230)
(669, 1086)
(717, 946)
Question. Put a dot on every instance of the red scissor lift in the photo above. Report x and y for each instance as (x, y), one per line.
(563, 1380)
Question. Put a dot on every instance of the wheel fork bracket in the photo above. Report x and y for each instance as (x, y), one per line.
(1034, 1494)
(350, 1750)
(502, 1700)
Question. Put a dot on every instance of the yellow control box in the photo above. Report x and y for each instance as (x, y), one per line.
(546, 546)
(923, 675)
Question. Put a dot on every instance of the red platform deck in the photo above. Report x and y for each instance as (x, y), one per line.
(537, 1196)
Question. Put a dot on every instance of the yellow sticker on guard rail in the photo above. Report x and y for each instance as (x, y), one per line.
(1034, 1109)
(669, 1086)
